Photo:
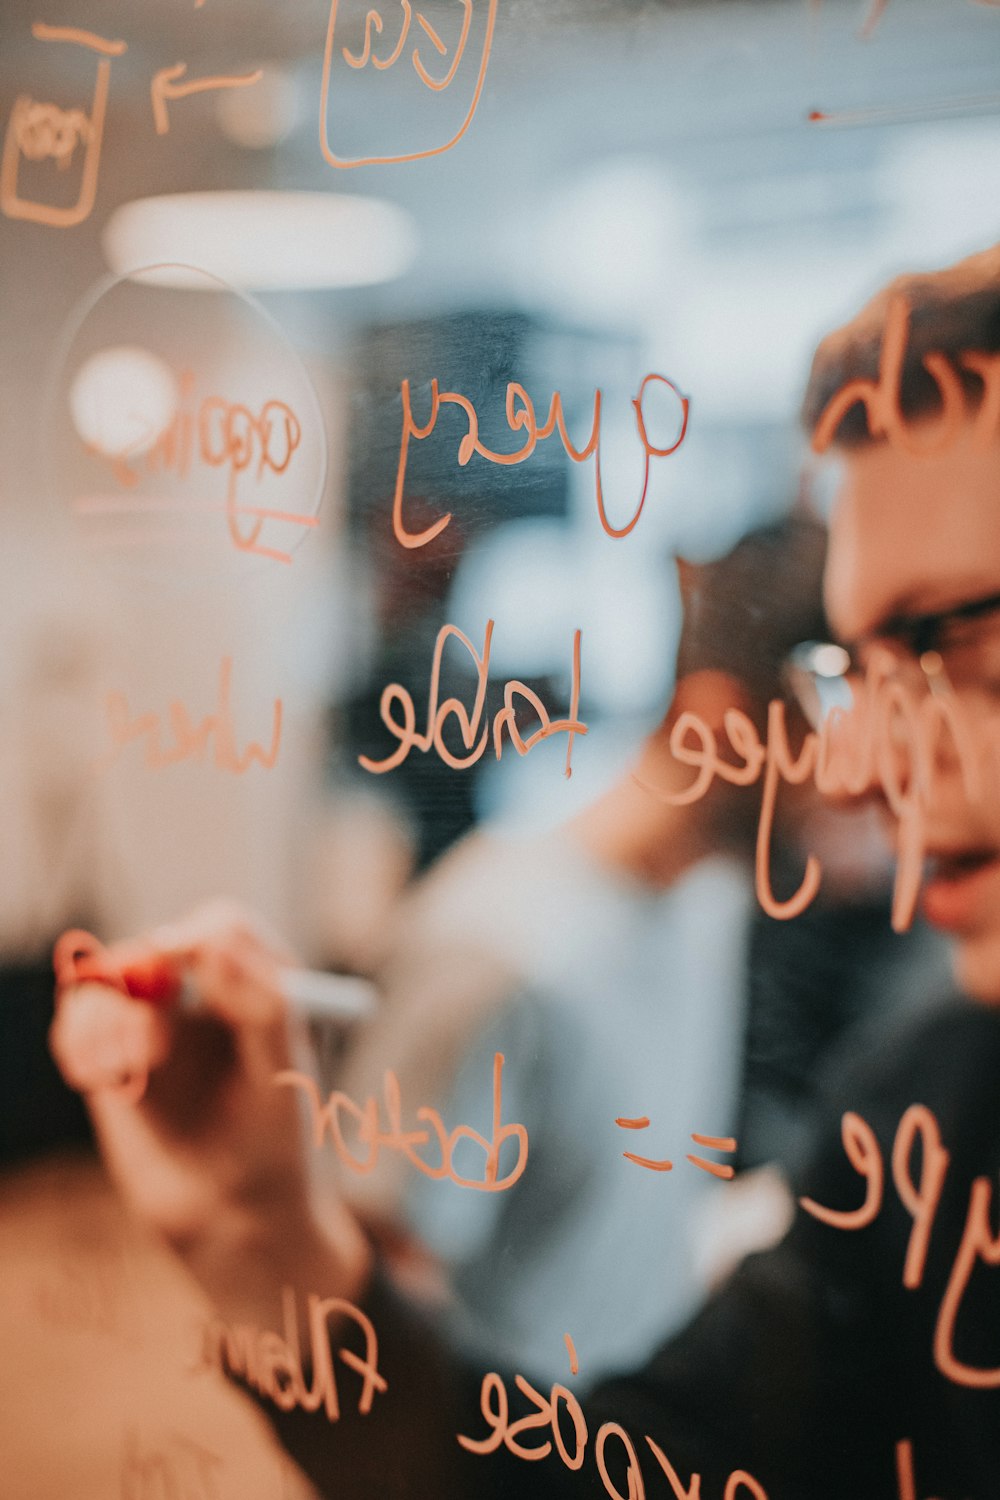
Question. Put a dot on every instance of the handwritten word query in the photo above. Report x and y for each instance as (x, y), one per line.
(520, 413)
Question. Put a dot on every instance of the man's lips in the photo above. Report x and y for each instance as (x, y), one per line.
(957, 888)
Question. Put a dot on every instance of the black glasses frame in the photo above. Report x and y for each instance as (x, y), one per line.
(923, 633)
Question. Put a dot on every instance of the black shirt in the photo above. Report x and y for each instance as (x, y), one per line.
(807, 1371)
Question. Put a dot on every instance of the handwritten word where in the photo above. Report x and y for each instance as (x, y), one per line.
(520, 414)
(437, 84)
(190, 740)
(373, 1139)
(219, 434)
(272, 1364)
(711, 1142)
(439, 714)
(921, 1200)
(546, 1422)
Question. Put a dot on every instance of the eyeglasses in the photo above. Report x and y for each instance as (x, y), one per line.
(948, 650)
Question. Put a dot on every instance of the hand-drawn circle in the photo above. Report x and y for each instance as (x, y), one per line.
(227, 483)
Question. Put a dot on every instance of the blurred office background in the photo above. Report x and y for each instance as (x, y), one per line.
(641, 189)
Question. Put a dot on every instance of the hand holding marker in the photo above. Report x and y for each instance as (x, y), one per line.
(143, 972)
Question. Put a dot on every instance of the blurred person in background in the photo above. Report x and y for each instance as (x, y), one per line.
(606, 961)
(64, 862)
(857, 1358)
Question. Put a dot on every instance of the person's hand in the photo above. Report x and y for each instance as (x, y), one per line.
(204, 1147)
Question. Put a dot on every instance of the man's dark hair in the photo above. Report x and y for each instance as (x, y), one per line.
(745, 612)
(951, 312)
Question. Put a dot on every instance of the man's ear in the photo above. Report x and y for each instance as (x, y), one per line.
(708, 693)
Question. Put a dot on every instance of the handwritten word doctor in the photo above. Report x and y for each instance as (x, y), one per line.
(373, 1139)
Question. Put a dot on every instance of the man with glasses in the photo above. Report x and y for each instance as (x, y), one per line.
(914, 568)
(861, 1358)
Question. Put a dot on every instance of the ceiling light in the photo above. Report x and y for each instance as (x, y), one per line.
(270, 241)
